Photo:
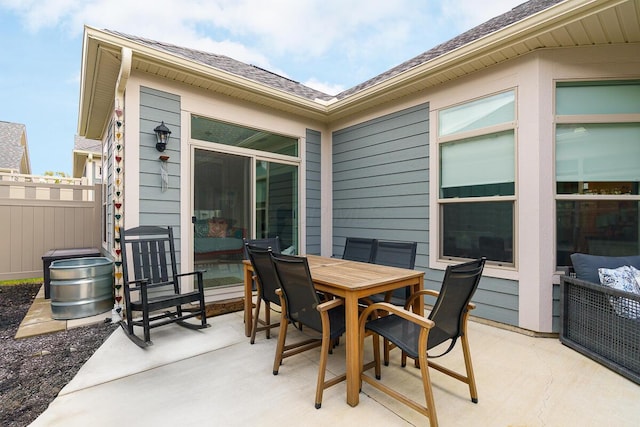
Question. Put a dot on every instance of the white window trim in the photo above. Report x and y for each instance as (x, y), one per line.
(435, 262)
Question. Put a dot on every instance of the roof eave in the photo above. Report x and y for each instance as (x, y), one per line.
(97, 42)
(557, 15)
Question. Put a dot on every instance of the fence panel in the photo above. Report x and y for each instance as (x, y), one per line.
(38, 214)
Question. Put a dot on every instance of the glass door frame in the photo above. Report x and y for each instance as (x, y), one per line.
(254, 156)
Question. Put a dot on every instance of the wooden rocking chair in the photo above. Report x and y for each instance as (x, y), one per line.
(152, 283)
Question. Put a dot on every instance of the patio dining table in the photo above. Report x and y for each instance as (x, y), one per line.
(350, 280)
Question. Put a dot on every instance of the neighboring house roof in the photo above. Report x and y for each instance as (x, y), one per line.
(537, 24)
(84, 149)
(89, 145)
(14, 152)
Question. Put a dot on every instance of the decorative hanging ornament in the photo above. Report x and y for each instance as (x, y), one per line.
(118, 112)
(118, 159)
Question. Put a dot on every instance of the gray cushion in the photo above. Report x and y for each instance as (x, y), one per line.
(586, 266)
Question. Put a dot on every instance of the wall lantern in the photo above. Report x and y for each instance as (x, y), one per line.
(162, 136)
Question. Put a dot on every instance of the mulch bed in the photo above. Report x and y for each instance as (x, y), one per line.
(34, 369)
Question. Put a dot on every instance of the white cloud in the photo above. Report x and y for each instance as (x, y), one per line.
(359, 37)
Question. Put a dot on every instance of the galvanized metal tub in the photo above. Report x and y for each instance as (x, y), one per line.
(81, 287)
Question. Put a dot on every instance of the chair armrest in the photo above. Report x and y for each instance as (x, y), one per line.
(326, 306)
(191, 273)
(415, 295)
(141, 282)
(431, 293)
(399, 311)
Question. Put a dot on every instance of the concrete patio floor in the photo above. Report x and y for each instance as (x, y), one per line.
(215, 377)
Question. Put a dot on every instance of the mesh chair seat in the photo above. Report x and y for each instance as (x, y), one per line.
(415, 334)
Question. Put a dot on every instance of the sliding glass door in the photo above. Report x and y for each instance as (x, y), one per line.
(221, 215)
(245, 185)
(277, 203)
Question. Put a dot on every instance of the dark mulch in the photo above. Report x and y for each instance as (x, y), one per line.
(34, 370)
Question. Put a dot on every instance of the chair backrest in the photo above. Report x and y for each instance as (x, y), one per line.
(299, 293)
(265, 243)
(358, 249)
(263, 267)
(148, 252)
(395, 253)
(458, 286)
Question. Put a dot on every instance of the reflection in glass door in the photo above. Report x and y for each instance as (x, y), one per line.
(221, 215)
(277, 203)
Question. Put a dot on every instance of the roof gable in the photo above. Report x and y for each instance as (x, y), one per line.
(13, 145)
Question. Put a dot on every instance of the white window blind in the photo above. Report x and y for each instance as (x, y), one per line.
(598, 152)
(485, 112)
(598, 98)
(483, 160)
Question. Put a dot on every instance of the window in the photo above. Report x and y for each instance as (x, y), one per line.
(597, 138)
(477, 197)
(210, 130)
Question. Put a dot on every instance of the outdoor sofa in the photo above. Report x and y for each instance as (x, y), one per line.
(598, 321)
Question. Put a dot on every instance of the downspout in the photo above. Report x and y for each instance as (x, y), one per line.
(117, 147)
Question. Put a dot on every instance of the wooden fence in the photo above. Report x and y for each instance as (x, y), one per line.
(38, 214)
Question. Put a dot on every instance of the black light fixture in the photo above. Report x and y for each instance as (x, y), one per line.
(162, 136)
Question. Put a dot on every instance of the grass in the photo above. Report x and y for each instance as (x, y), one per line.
(21, 281)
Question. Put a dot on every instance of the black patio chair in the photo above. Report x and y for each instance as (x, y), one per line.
(358, 249)
(393, 254)
(152, 284)
(264, 243)
(416, 335)
(301, 306)
(266, 283)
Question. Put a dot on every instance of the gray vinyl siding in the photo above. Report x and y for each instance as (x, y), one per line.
(158, 207)
(381, 190)
(381, 180)
(314, 207)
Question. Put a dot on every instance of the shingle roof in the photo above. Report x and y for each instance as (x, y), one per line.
(273, 80)
(233, 66)
(11, 148)
(516, 14)
(84, 144)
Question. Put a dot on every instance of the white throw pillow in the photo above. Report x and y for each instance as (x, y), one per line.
(636, 274)
(623, 279)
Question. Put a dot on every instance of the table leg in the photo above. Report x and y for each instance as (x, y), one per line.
(418, 307)
(352, 349)
(248, 299)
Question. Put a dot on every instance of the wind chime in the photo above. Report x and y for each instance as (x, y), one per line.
(116, 314)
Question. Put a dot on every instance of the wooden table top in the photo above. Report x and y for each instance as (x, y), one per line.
(354, 275)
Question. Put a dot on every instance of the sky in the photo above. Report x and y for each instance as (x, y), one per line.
(330, 45)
